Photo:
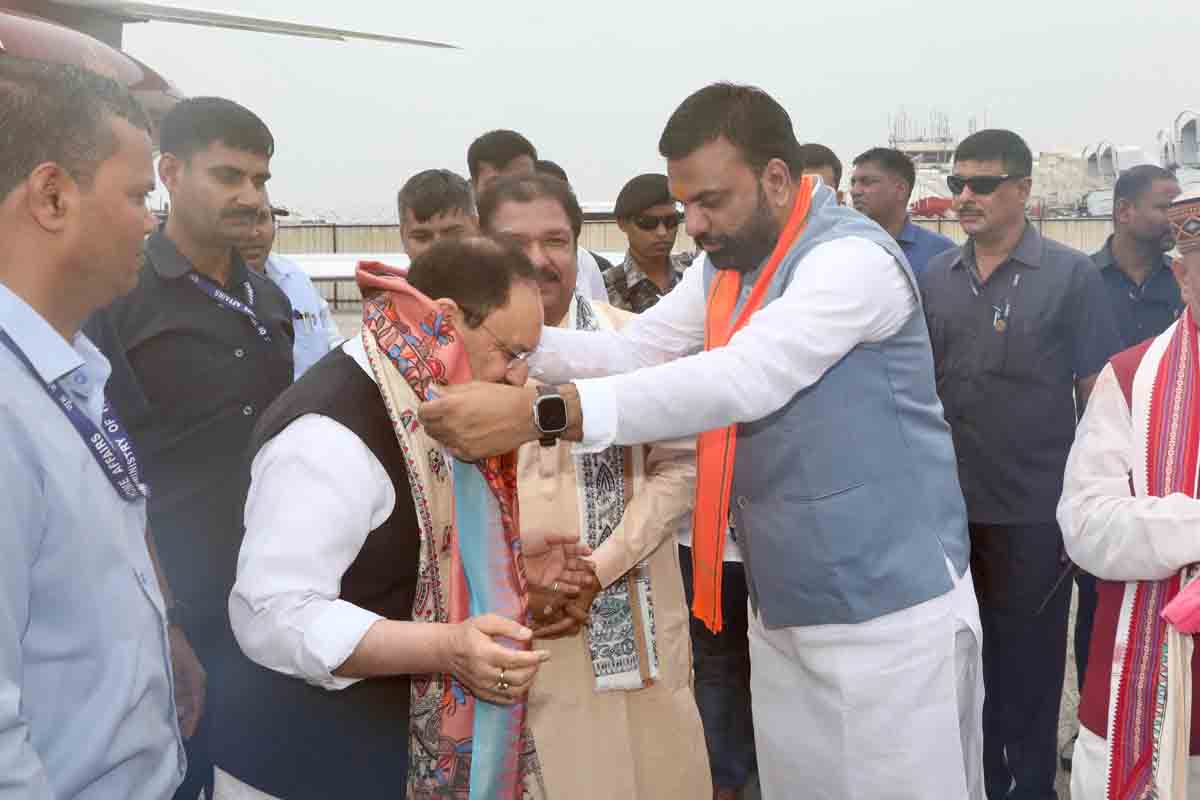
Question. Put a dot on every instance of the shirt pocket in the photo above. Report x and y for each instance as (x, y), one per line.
(1027, 336)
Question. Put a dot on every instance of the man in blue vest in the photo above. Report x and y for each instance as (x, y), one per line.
(822, 433)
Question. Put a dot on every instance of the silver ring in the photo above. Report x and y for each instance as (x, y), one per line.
(554, 588)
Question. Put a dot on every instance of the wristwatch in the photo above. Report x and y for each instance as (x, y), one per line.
(549, 415)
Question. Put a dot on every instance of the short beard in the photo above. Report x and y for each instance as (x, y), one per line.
(750, 245)
(1155, 245)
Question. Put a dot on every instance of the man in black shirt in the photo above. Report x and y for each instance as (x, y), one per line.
(198, 349)
(1020, 327)
(1133, 262)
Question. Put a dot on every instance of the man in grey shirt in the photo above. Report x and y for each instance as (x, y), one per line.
(87, 700)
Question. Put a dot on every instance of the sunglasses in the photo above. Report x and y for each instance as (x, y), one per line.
(979, 184)
(650, 222)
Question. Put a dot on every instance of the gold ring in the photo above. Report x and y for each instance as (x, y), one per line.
(501, 678)
(554, 588)
(502, 686)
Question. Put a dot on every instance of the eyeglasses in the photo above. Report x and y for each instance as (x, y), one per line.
(650, 222)
(513, 356)
(979, 184)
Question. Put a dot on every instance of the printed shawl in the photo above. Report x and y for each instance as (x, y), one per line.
(1150, 694)
(716, 449)
(460, 748)
(620, 637)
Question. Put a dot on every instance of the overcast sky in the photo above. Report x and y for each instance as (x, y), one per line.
(591, 84)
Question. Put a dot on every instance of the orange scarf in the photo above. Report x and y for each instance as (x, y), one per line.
(715, 449)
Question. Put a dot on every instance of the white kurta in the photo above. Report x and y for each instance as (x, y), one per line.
(891, 708)
(647, 743)
(1117, 536)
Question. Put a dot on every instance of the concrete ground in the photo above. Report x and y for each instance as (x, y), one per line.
(348, 322)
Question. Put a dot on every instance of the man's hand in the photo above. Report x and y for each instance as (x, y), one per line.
(550, 619)
(190, 681)
(565, 616)
(492, 671)
(579, 607)
(477, 420)
(556, 571)
(555, 562)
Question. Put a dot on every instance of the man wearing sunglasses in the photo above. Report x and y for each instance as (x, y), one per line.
(1020, 327)
(648, 217)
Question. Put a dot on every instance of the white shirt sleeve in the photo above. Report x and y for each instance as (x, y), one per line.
(1107, 531)
(588, 280)
(671, 328)
(316, 492)
(846, 292)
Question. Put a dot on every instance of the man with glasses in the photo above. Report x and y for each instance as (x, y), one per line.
(1020, 327)
(612, 711)
(648, 217)
(330, 598)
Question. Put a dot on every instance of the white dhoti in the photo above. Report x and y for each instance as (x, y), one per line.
(888, 709)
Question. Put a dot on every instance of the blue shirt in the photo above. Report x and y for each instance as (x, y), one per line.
(86, 698)
(316, 331)
(1142, 311)
(920, 244)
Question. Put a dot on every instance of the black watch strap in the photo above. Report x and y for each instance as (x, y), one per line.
(549, 437)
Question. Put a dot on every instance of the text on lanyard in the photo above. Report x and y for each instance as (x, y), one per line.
(224, 298)
(111, 447)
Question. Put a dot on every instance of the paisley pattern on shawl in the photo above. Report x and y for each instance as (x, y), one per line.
(461, 748)
(1151, 692)
(621, 638)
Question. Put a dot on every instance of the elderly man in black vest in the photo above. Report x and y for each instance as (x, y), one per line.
(328, 570)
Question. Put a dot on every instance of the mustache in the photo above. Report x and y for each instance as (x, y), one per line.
(546, 275)
(246, 214)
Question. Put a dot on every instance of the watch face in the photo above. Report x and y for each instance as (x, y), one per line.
(551, 416)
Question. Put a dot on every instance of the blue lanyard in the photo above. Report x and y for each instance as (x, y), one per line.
(111, 447)
(224, 298)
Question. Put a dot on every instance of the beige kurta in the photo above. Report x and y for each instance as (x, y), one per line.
(647, 743)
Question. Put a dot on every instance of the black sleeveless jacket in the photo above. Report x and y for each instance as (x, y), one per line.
(280, 734)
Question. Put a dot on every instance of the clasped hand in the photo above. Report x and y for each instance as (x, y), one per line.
(558, 576)
(560, 598)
